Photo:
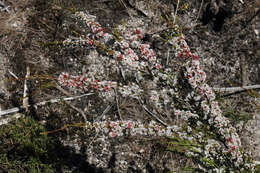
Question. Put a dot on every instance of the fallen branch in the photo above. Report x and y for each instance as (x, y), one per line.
(18, 109)
(237, 89)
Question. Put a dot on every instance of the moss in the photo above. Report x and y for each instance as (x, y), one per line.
(23, 148)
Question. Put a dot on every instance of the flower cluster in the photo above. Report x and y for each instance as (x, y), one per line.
(133, 128)
(136, 57)
(83, 81)
(212, 113)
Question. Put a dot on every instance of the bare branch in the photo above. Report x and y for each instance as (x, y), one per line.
(18, 109)
(236, 89)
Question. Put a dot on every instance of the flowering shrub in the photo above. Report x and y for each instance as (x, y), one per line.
(181, 91)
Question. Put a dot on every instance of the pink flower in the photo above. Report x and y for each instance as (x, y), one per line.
(120, 57)
(129, 125)
(106, 88)
(230, 140)
(137, 31)
(95, 86)
(195, 57)
(90, 42)
(232, 148)
(158, 66)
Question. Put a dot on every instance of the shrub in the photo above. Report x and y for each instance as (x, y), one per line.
(178, 91)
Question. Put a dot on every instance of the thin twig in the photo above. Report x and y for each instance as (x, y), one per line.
(17, 109)
(117, 104)
(157, 118)
(150, 113)
(202, 3)
(13, 75)
(73, 107)
(104, 112)
(78, 110)
(176, 11)
(63, 90)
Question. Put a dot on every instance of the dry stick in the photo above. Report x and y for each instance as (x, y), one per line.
(117, 104)
(26, 90)
(176, 11)
(236, 89)
(17, 109)
(13, 75)
(150, 113)
(97, 119)
(104, 112)
(157, 118)
(202, 3)
(63, 90)
(78, 109)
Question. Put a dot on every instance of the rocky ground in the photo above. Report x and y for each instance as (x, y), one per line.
(30, 34)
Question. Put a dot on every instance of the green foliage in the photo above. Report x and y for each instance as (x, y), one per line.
(177, 145)
(208, 162)
(257, 169)
(23, 148)
(236, 116)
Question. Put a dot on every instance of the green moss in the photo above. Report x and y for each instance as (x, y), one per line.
(23, 148)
